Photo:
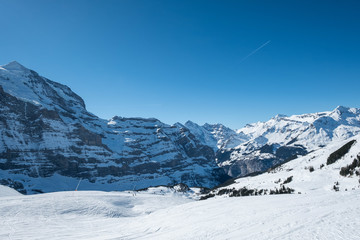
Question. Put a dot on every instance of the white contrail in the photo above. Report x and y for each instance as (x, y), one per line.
(253, 52)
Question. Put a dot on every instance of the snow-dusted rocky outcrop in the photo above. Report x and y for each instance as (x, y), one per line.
(49, 142)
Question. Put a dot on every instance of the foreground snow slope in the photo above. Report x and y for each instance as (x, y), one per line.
(6, 191)
(163, 214)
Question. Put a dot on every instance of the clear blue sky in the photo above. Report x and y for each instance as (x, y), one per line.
(180, 60)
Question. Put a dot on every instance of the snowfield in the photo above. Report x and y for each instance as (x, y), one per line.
(6, 192)
(160, 213)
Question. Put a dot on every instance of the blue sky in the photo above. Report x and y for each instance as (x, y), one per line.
(181, 60)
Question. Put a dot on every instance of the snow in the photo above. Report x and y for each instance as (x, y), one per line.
(217, 136)
(64, 126)
(14, 66)
(239, 152)
(160, 213)
(25, 84)
(321, 180)
(6, 191)
(345, 122)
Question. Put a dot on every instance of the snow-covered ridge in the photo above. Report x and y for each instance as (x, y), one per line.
(29, 86)
(14, 66)
(322, 127)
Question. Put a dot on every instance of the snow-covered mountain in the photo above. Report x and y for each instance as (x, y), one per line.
(49, 142)
(335, 167)
(216, 136)
(259, 146)
(310, 130)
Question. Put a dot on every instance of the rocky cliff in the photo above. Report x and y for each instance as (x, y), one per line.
(50, 142)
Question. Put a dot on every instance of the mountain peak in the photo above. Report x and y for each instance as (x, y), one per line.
(14, 66)
(191, 123)
(341, 109)
(279, 116)
(213, 125)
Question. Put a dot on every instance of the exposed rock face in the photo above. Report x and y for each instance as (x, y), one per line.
(48, 141)
(258, 160)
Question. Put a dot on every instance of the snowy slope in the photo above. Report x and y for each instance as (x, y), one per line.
(169, 215)
(306, 174)
(8, 192)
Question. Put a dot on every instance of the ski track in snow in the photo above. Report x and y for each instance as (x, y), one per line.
(168, 215)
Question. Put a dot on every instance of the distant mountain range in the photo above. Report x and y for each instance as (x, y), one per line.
(50, 142)
(259, 146)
